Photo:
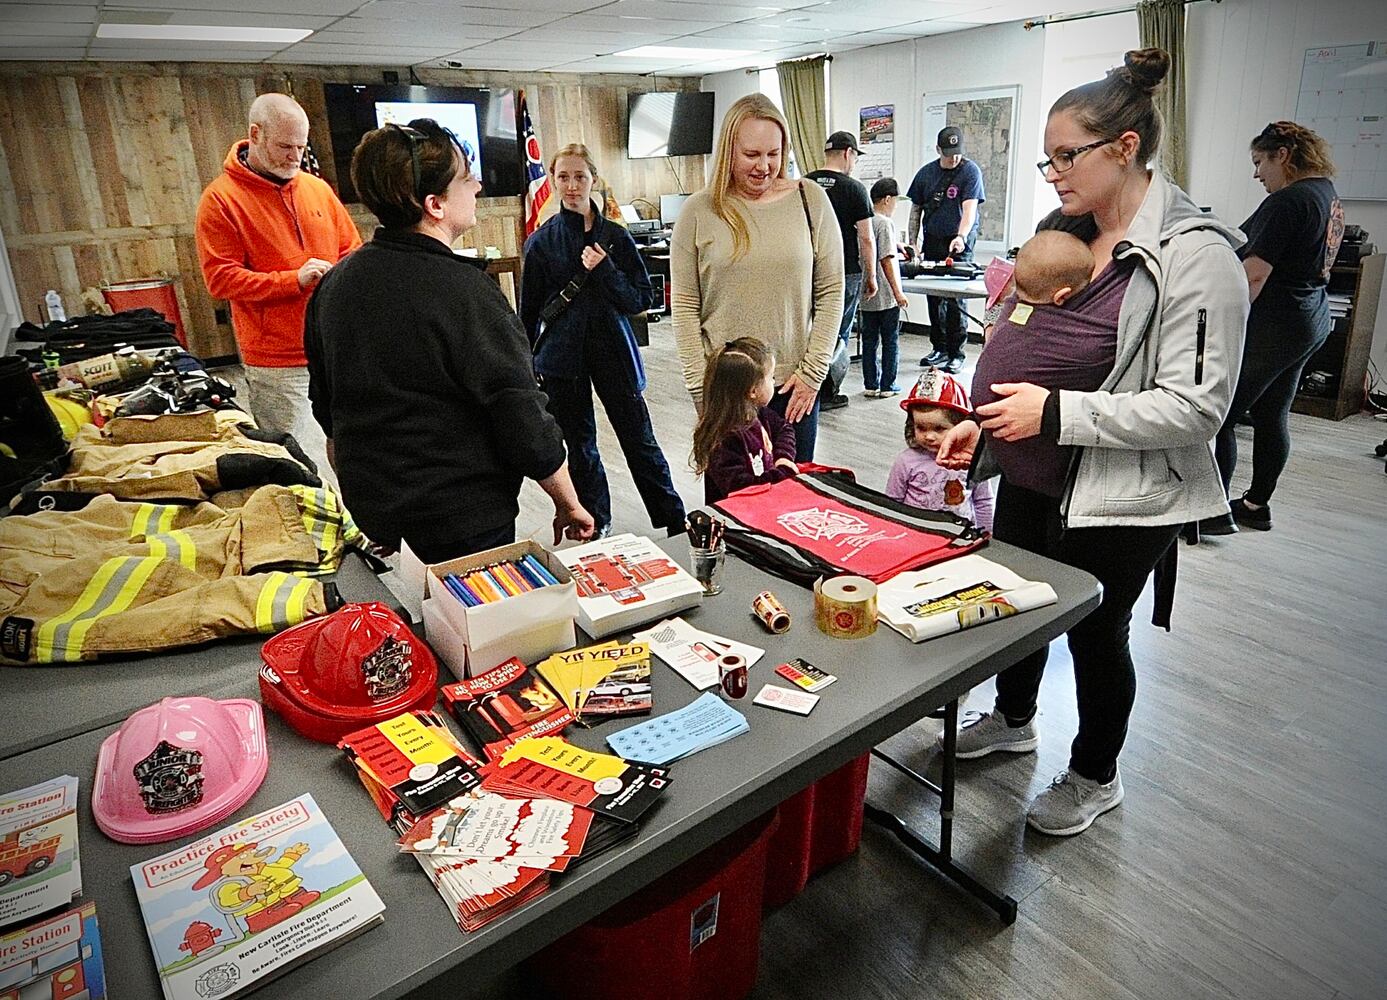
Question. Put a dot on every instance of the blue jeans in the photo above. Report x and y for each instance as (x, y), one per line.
(570, 402)
(883, 326)
(806, 431)
(852, 294)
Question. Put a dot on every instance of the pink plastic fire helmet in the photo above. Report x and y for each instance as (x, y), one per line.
(177, 767)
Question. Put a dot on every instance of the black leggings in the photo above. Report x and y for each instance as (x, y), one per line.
(1104, 676)
(1281, 337)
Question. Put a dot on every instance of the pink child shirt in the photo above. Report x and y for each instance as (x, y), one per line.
(917, 480)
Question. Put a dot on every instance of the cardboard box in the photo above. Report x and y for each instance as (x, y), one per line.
(527, 626)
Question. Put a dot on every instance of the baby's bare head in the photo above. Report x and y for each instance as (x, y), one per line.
(1051, 267)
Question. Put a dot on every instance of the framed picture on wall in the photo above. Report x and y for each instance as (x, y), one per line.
(988, 120)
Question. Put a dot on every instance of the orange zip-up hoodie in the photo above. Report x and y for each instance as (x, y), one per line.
(252, 237)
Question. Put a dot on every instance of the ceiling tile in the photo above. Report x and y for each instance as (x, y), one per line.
(617, 24)
(54, 53)
(47, 14)
(328, 7)
(49, 29)
(458, 37)
(428, 14)
(711, 12)
(228, 18)
(477, 8)
(157, 52)
(841, 22)
(767, 32)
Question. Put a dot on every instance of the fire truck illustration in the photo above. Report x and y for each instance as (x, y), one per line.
(20, 860)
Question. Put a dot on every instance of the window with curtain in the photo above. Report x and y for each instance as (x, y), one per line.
(768, 82)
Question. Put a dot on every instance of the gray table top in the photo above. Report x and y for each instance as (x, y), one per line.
(946, 288)
(46, 704)
(885, 683)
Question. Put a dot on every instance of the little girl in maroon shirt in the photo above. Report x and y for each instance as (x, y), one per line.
(739, 440)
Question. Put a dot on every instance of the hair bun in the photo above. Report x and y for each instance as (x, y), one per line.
(1144, 69)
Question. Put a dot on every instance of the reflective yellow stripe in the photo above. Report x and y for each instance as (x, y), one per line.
(140, 525)
(293, 608)
(122, 600)
(265, 603)
(330, 523)
(43, 646)
(166, 519)
(182, 542)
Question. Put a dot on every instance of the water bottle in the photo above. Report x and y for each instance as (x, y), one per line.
(53, 302)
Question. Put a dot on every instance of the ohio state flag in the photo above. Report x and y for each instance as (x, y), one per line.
(538, 191)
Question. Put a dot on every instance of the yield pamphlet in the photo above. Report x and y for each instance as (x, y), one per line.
(625, 581)
(956, 595)
(692, 653)
(504, 705)
(39, 865)
(704, 723)
(602, 681)
(58, 957)
(550, 767)
(251, 901)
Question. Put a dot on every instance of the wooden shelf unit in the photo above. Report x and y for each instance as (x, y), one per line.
(1346, 351)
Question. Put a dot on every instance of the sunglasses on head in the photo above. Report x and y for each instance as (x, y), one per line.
(415, 137)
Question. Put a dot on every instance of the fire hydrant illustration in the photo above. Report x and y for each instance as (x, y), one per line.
(199, 937)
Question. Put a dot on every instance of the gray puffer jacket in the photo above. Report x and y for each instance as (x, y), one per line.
(1144, 438)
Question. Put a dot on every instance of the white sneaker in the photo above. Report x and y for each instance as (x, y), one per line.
(1072, 803)
(990, 733)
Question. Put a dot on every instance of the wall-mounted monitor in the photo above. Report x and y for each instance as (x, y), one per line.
(483, 117)
(669, 123)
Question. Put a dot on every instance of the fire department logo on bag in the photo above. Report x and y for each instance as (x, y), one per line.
(387, 670)
(170, 778)
(816, 523)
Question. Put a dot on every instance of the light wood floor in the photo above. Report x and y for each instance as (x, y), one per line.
(1249, 858)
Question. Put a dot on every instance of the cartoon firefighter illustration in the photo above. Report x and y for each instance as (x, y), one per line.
(253, 888)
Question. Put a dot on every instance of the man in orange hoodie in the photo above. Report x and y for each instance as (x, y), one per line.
(266, 232)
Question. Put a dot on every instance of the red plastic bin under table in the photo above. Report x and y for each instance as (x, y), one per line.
(819, 827)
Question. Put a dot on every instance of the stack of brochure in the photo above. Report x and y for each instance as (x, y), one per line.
(601, 682)
(703, 723)
(506, 704)
(488, 854)
(251, 901)
(39, 865)
(625, 581)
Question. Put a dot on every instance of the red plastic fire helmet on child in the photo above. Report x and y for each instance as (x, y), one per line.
(177, 767)
(938, 388)
(333, 675)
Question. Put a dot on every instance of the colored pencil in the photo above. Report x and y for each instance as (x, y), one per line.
(533, 578)
(476, 598)
(517, 577)
(455, 588)
(540, 569)
(481, 587)
(502, 591)
(503, 581)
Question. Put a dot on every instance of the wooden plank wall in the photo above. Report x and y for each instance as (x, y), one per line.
(102, 165)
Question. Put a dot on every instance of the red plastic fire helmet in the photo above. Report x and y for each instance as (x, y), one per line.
(938, 388)
(339, 673)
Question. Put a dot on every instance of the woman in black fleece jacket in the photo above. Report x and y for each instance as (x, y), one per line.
(420, 373)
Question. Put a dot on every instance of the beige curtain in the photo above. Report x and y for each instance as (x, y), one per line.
(1163, 26)
(802, 97)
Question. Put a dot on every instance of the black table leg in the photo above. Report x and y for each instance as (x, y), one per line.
(940, 857)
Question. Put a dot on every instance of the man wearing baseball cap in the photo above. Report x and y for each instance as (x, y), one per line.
(853, 209)
(944, 197)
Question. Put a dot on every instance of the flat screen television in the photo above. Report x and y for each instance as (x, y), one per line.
(669, 123)
(485, 118)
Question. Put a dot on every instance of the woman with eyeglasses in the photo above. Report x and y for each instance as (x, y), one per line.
(1101, 429)
(419, 371)
(1292, 240)
(582, 278)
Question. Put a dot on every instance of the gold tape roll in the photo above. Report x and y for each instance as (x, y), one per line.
(845, 607)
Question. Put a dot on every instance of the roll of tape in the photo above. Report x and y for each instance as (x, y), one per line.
(845, 607)
(771, 613)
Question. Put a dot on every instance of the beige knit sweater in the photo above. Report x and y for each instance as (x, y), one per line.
(766, 294)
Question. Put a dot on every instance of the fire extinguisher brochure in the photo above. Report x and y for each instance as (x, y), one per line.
(250, 901)
(39, 866)
(553, 768)
(504, 705)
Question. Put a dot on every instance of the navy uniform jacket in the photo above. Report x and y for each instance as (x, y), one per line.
(594, 328)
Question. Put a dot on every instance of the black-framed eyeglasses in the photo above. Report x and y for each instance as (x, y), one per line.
(1064, 159)
(414, 137)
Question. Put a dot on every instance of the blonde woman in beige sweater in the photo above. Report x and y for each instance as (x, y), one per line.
(756, 254)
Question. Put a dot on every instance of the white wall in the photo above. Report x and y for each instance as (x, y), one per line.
(1244, 71)
(902, 73)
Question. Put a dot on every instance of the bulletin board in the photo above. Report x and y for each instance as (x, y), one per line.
(988, 121)
(1343, 97)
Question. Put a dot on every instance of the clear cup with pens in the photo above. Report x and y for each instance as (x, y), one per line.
(707, 550)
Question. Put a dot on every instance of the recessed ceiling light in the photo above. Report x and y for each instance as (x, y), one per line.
(203, 33)
(796, 20)
(680, 52)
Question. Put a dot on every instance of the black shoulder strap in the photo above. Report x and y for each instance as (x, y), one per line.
(804, 201)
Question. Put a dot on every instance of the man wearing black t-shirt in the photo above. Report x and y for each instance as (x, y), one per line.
(853, 208)
(945, 198)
